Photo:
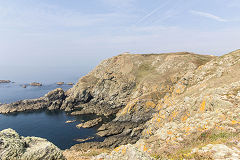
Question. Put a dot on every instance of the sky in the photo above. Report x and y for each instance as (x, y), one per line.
(69, 33)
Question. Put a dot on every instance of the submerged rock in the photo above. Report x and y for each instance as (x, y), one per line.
(83, 140)
(15, 147)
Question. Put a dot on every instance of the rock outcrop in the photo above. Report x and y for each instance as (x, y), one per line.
(52, 100)
(15, 147)
(90, 123)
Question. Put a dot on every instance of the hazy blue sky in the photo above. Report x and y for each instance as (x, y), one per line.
(74, 32)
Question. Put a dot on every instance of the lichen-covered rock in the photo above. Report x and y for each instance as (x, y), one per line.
(125, 152)
(15, 147)
(218, 151)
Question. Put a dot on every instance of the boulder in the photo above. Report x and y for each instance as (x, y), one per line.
(15, 147)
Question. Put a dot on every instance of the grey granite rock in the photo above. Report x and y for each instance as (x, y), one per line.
(15, 147)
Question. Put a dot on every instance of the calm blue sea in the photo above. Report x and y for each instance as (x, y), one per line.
(45, 124)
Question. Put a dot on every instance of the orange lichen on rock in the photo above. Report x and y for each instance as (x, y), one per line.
(234, 122)
(180, 89)
(203, 105)
(187, 129)
(150, 104)
(223, 117)
(124, 150)
(145, 148)
(117, 149)
(159, 106)
(128, 107)
(174, 114)
(184, 118)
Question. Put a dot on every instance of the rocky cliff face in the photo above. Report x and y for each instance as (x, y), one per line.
(15, 147)
(127, 89)
(199, 118)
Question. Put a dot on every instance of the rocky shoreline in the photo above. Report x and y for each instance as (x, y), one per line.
(151, 105)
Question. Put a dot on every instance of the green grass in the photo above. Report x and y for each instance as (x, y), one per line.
(143, 71)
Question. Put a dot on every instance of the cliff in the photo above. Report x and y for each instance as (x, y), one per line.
(198, 119)
(162, 105)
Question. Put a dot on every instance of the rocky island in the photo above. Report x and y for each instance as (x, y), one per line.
(5, 81)
(154, 106)
(35, 84)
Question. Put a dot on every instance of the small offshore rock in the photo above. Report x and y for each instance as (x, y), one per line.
(5, 81)
(70, 83)
(35, 84)
(70, 121)
(60, 83)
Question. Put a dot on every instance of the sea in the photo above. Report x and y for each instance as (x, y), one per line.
(43, 123)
